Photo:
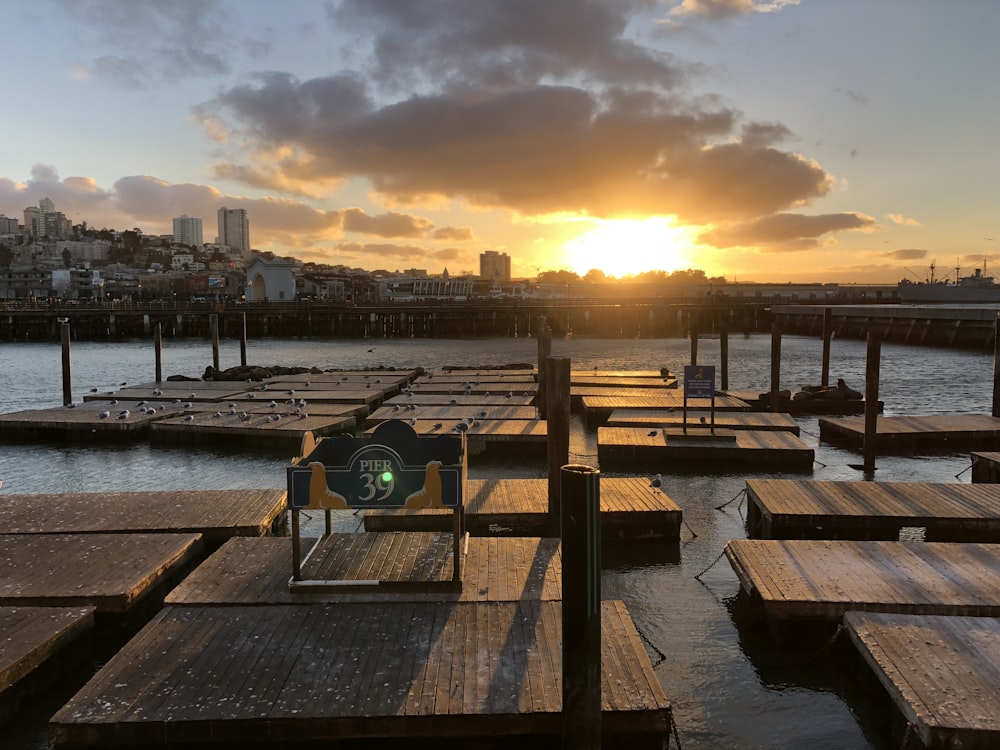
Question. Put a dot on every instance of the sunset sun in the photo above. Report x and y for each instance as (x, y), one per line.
(621, 247)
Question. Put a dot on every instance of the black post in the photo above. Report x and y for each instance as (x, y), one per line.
(694, 344)
(580, 521)
(871, 400)
(213, 325)
(724, 355)
(775, 365)
(243, 342)
(827, 335)
(158, 348)
(996, 367)
(544, 352)
(557, 377)
(67, 370)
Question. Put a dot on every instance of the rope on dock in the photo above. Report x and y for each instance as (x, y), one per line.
(688, 527)
(741, 493)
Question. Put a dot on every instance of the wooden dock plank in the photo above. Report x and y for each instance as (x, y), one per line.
(216, 514)
(941, 672)
(519, 507)
(278, 688)
(702, 419)
(823, 579)
(787, 508)
(109, 571)
(932, 434)
(34, 635)
(986, 467)
(249, 572)
(450, 412)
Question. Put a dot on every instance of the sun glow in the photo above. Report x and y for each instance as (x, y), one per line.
(622, 247)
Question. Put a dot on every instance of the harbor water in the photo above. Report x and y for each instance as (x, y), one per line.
(730, 685)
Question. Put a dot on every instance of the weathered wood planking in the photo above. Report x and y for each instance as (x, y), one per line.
(456, 413)
(986, 467)
(489, 436)
(89, 421)
(256, 571)
(109, 571)
(460, 399)
(257, 428)
(620, 380)
(655, 449)
(730, 420)
(492, 388)
(356, 394)
(392, 671)
(928, 434)
(216, 514)
(823, 579)
(598, 407)
(519, 507)
(941, 672)
(36, 640)
(760, 401)
(792, 509)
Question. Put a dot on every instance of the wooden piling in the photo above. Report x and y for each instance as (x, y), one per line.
(243, 340)
(580, 525)
(557, 386)
(213, 326)
(775, 366)
(544, 352)
(724, 356)
(827, 335)
(67, 371)
(694, 344)
(996, 367)
(158, 348)
(871, 400)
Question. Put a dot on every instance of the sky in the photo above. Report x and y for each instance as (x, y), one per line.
(840, 141)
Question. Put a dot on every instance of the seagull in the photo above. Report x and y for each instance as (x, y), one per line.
(462, 426)
(157, 392)
(142, 403)
(371, 350)
(303, 415)
(437, 426)
(124, 415)
(244, 417)
(651, 433)
(71, 405)
(217, 414)
(114, 402)
(395, 407)
(510, 394)
(104, 415)
(191, 395)
(272, 405)
(250, 395)
(189, 418)
(187, 405)
(481, 414)
(656, 483)
(290, 392)
(93, 390)
(413, 420)
(453, 401)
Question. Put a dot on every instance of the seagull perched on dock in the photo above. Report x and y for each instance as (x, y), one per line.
(104, 415)
(656, 483)
(157, 392)
(189, 418)
(462, 426)
(437, 426)
(123, 414)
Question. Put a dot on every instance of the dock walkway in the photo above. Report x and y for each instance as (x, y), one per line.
(947, 512)
(945, 433)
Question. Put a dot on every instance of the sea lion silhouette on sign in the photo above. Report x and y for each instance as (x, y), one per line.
(430, 495)
(320, 494)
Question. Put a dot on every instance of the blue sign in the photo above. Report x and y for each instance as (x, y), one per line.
(699, 381)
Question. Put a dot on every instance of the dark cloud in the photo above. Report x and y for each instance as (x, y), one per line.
(784, 232)
(906, 254)
(454, 234)
(161, 41)
(386, 225)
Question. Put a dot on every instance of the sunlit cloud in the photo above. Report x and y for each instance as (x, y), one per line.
(906, 254)
(903, 221)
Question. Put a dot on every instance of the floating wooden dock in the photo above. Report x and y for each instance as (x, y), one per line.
(456, 413)
(986, 467)
(249, 572)
(597, 408)
(940, 672)
(392, 672)
(761, 401)
(655, 449)
(39, 645)
(930, 434)
(792, 509)
(257, 428)
(525, 437)
(821, 580)
(215, 514)
(460, 399)
(696, 419)
(121, 575)
(630, 510)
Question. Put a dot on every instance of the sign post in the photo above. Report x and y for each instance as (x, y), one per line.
(699, 382)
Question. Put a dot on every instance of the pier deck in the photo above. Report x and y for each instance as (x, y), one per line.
(728, 420)
(598, 407)
(821, 580)
(519, 507)
(394, 672)
(940, 672)
(216, 514)
(489, 436)
(760, 401)
(654, 449)
(456, 413)
(792, 509)
(948, 433)
(249, 572)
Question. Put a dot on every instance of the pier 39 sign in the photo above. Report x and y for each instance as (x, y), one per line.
(391, 468)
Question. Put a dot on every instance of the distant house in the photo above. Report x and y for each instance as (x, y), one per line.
(270, 280)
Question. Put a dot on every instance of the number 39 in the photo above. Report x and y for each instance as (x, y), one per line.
(373, 485)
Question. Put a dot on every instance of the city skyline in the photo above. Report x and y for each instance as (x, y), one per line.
(764, 141)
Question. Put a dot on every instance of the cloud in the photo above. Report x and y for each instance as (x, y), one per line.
(906, 254)
(720, 9)
(372, 255)
(454, 234)
(387, 225)
(784, 232)
(157, 42)
(902, 220)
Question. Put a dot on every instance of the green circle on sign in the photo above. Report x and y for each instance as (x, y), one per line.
(386, 476)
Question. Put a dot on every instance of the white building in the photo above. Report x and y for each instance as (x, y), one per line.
(234, 228)
(179, 260)
(188, 231)
(270, 280)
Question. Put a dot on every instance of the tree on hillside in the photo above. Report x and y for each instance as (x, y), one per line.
(557, 277)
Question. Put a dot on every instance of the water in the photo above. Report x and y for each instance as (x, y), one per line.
(730, 686)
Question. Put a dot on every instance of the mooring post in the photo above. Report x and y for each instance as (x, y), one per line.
(827, 335)
(775, 365)
(580, 531)
(213, 327)
(557, 379)
(67, 370)
(158, 348)
(996, 366)
(871, 400)
(724, 356)
(243, 341)
(544, 352)
(694, 343)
